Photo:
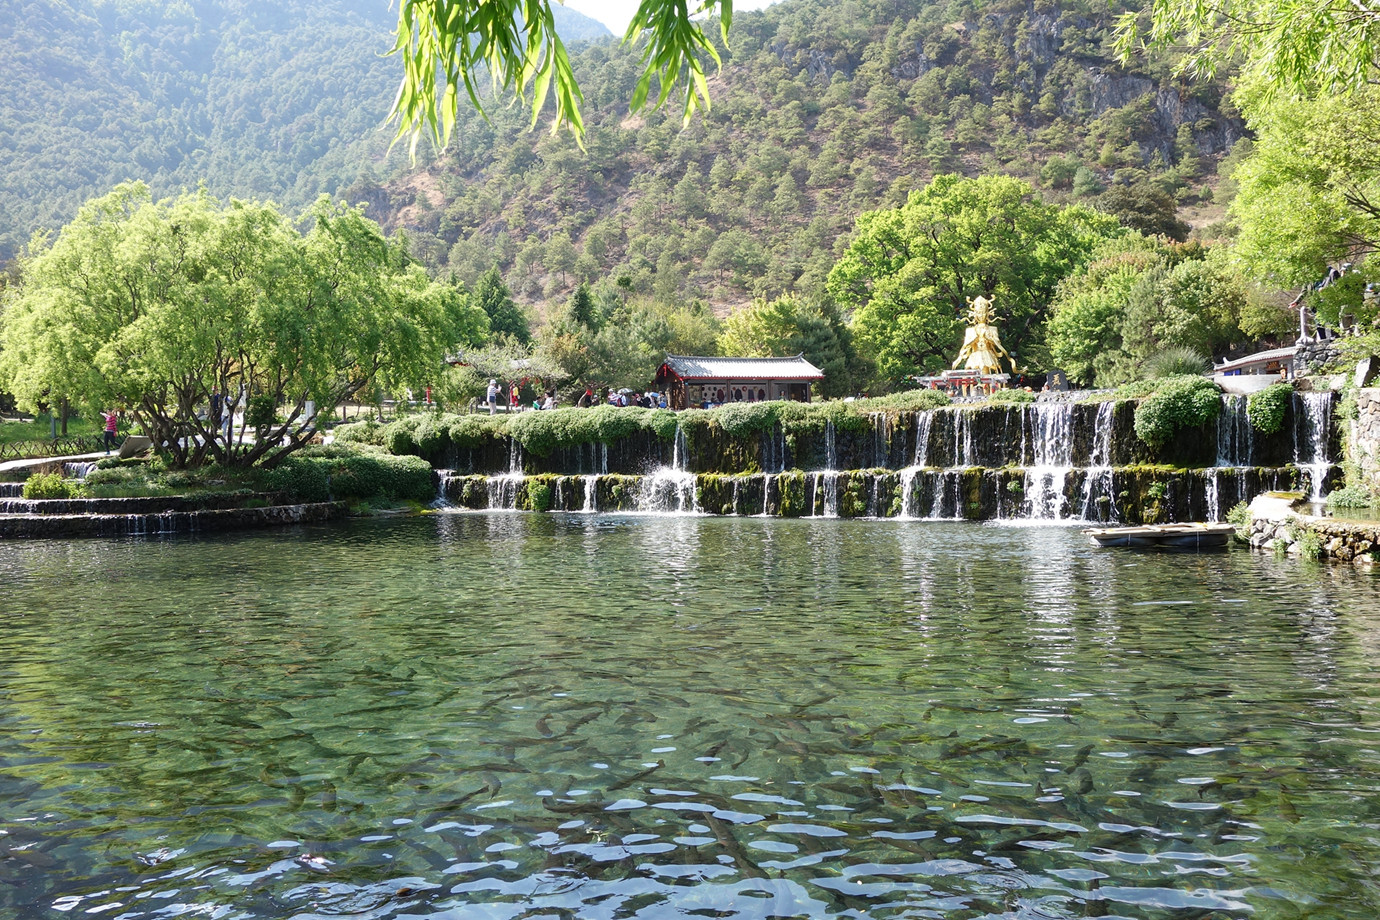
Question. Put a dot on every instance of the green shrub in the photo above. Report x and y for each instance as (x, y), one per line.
(358, 473)
(1177, 403)
(1266, 407)
(1136, 389)
(50, 485)
(1240, 515)
(474, 430)
(1310, 545)
(1176, 361)
(1352, 495)
(260, 412)
(906, 401)
(739, 419)
(1010, 397)
(365, 432)
(303, 479)
(538, 496)
(400, 437)
(432, 434)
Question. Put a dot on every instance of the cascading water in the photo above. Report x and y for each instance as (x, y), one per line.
(443, 479)
(670, 490)
(966, 462)
(1097, 483)
(1052, 448)
(1235, 434)
(503, 490)
(78, 470)
(1312, 437)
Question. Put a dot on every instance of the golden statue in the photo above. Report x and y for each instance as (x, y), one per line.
(981, 351)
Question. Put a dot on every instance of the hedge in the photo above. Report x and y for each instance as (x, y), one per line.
(1176, 403)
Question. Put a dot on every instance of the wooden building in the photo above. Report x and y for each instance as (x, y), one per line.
(693, 382)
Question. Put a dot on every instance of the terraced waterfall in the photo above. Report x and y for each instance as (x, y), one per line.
(1045, 461)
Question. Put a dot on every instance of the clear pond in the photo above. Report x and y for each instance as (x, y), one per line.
(523, 716)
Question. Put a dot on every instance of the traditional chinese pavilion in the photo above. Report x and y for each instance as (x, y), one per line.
(695, 381)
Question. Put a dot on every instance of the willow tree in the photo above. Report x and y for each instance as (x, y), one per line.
(155, 305)
(446, 44)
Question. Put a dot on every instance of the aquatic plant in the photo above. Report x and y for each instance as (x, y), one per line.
(1310, 545)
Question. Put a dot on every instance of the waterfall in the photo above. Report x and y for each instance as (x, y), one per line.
(909, 504)
(77, 470)
(923, 422)
(831, 453)
(1235, 434)
(881, 443)
(1098, 481)
(963, 439)
(680, 449)
(443, 478)
(1314, 414)
(774, 450)
(1052, 426)
(591, 504)
(824, 487)
(503, 491)
(1211, 492)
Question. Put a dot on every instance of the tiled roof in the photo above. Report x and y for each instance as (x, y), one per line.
(1260, 357)
(699, 368)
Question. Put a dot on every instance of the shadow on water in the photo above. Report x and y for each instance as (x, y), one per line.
(503, 715)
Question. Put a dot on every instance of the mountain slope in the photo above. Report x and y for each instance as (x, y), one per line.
(823, 109)
(278, 99)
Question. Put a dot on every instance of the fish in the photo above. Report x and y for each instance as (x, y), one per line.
(641, 774)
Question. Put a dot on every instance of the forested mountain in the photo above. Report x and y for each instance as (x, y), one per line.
(824, 108)
(278, 99)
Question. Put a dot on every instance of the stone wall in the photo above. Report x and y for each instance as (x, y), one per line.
(1365, 436)
(1342, 541)
(1316, 356)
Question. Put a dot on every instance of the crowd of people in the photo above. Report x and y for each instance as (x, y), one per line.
(510, 397)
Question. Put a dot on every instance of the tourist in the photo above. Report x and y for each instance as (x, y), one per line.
(112, 423)
(491, 397)
(217, 404)
(550, 401)
(586, 399)
(514, 398)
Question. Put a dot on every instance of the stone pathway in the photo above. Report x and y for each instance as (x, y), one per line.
(11, 465)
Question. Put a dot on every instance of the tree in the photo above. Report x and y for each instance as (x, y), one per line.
(785, 327)
(1308, 194)
(911, 272)
(493, 297)
(444, 44)
(1196, 305)
(1089, 309)
(1143, 206)
(1297, 46)
(155, 306)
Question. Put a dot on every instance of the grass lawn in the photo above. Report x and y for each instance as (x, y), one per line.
(39, 429)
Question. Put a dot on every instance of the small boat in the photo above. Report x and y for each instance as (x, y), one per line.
(1168, 536)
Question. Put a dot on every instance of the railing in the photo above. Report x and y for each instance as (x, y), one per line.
(60, 447)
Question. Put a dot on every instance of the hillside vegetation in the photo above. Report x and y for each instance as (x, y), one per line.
(280, 99)
(823, 110)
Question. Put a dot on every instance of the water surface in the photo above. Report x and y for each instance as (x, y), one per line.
(522, 716)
